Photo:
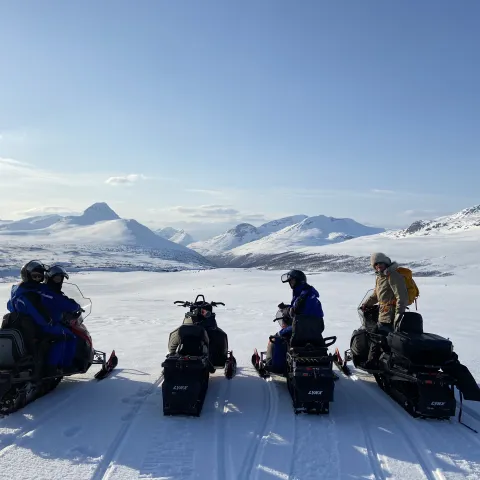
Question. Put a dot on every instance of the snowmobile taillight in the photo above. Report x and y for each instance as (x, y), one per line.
(429, 381)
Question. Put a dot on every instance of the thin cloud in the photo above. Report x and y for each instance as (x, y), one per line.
(382, 192)
(125, 180)
(418, 213)
(209, 213)
(46, 210)
(205, 192)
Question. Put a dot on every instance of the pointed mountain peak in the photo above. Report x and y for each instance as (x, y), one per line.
(98, 212)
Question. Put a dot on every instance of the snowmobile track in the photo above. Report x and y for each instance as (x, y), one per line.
(107, 463)
(470, 411)
(256, 447)
(221, 410)
(46, 415)
(373, 455)
(412, 437)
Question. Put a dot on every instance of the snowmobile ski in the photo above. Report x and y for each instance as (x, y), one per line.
(230, 366)
(341, 363)
(107, 367)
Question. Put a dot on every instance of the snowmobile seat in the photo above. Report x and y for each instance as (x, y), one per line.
(12, 347)
(189, 340)
(410, 322)
(420, 348)
(307, 329)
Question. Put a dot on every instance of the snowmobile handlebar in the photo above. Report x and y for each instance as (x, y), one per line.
(182, 303)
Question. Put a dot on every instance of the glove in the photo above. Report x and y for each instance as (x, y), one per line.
(282, 306)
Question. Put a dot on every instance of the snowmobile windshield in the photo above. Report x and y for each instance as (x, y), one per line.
(282, 320)
(72, 291)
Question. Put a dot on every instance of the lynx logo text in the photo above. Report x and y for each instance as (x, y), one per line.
(437, 404)
(315, 392)
(180, 387)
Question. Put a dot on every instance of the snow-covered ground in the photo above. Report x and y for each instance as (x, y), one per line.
(115, 429)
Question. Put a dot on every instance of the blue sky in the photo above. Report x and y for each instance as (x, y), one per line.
(206, 114)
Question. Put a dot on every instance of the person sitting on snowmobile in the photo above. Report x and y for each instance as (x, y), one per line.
(30, 300)
(305, 301)
(392, 297)
(60, 305)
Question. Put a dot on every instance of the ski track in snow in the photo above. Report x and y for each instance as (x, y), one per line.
(31, 425)
(107, 463)
(253, 462)
(439, 446)
(410, 435)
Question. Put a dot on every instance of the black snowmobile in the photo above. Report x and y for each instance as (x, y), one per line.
(308, 367)
(24, 375)
(418, 370)
(195, 349)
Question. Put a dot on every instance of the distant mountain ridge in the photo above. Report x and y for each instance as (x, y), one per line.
(466, 219)
(284, 234)
(98, 227)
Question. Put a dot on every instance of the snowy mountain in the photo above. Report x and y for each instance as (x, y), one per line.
(167, 232)
(98, 212)
(312, 231)
(242, 234)
(31, 223)
(177, 236)
(182, 238)
(232, 238)
(276, 225)
(465, 220)
(449, 249)
(114, 429)
(98, 238)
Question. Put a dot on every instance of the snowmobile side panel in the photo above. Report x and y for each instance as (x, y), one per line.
(218, 348)
(12, 348)
(360, 345)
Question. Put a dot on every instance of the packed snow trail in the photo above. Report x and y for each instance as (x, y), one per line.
(115, 429)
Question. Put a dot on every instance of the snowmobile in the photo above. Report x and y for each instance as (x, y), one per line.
(23, 374)
(195, 348)
(308, 367)
(418, 370)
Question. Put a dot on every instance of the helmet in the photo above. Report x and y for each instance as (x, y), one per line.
(297, 275)
(54, 277)
(32, 269)
(56, 270)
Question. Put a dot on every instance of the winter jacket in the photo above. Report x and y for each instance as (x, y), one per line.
(305, 301)
(390, 293)
(36, 301)
(58, 303)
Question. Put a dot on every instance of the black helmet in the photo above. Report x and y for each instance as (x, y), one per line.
(33, 267)
(54, 277)
(297, 275)
(55, 270)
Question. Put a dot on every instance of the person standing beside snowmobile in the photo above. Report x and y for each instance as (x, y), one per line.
(29, 299)
(391, 295)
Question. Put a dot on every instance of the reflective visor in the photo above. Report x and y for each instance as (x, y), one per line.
(57, 270)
